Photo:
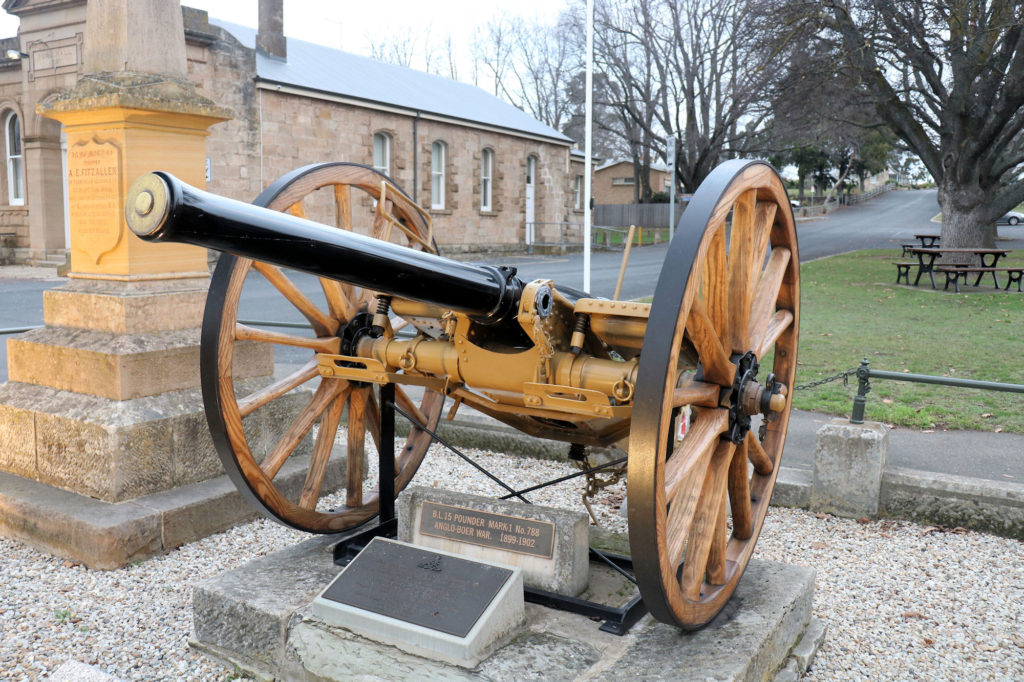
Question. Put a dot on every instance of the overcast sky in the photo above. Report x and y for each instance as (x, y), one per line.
(351, 25)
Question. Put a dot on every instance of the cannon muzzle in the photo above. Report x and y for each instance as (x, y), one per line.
(159, 207)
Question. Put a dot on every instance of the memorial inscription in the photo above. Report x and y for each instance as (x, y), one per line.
(500, 531)
(94, 189)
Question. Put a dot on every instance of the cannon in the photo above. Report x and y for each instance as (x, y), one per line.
(718, 342)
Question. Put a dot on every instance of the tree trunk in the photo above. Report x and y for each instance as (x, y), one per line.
(966, 218)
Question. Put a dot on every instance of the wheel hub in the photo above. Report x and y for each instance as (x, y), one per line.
(747, 398)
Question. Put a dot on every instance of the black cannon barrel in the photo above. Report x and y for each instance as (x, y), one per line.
(160, 207)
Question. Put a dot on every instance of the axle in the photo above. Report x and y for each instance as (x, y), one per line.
(160, 207)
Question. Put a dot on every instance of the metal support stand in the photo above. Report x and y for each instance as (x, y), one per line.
(387, 523)
(617, 620)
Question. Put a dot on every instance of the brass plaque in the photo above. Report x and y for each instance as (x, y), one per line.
(510, 533)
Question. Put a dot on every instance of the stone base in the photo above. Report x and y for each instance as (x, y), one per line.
(258, 617)
(117, 450)
(104, 535)
(848, 463)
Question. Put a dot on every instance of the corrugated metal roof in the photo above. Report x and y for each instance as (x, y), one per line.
(324, 69)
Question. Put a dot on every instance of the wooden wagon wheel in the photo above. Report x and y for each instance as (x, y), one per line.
(696, 504)
(394, 217)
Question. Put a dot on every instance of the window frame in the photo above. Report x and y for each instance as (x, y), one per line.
(386, 167)
(487, 180)
(578, 200)
(15, 180)
(438, 159)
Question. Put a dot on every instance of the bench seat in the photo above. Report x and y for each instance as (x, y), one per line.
(903, 270)
(953, 274)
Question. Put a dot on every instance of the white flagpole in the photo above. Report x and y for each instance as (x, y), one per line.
(588, 130)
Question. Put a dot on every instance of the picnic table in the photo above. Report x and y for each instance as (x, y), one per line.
(926, 257)
(923, 240)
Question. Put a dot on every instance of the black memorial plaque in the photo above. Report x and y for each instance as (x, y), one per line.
(418, 586)
(500, 531)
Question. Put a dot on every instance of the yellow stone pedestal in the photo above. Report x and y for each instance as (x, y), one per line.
(103, 401)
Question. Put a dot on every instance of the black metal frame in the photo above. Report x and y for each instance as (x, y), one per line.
(617, 620)
(387, 523)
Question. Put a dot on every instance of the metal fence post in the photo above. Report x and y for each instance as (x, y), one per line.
(863, 388)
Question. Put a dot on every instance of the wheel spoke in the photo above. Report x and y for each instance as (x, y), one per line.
(297, 209)
(338, 301)
(739, 493)
(764, 217)
(713, 356)
(343, 206)
(381, 223)
(694, 450)
(356, 456)
(716, 303)
(767, 292)
(255, 401)
(780, 322)
(322, 344)
(702, 530)
(322, 451)
(373, 420)
(696, 393)
(402, 400)
(325, 393)
(322, 324)
(741, 265)
(719, 541)
(680, 514)
(758, 457)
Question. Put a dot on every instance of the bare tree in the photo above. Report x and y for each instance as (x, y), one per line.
(695, 69)
(531, 65)
(413, 51)
(947, 76)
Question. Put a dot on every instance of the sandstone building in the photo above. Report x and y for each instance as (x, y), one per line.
(492, 177)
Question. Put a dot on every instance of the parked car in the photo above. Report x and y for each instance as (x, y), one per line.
(1011, 218)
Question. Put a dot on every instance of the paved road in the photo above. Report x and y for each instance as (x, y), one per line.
(877, 224)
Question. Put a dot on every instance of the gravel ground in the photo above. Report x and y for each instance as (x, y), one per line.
(902, 601)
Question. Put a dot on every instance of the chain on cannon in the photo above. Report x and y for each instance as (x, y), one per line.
(718, 341)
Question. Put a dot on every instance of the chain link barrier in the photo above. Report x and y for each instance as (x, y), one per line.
(844, 375)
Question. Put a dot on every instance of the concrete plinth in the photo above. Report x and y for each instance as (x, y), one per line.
(258, 617)
(848, 463)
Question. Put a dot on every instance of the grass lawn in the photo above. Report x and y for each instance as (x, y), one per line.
(851, 309)
(649, 235)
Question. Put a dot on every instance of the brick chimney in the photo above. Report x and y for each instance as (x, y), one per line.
(270, 36)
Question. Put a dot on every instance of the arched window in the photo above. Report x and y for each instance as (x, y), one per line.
(437, 160)
(486, 175)
(15, 166)
(382, 152)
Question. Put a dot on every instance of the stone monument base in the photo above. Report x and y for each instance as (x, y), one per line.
(103, 535)
(259, 618)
